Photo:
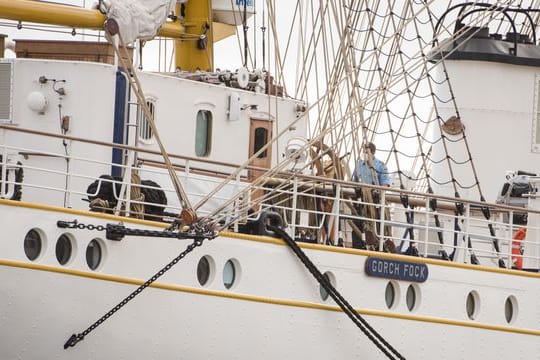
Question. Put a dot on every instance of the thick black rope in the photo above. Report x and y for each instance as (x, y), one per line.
(356, 318)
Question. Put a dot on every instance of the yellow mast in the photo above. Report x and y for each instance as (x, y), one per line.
(64, 15)
(195, 51)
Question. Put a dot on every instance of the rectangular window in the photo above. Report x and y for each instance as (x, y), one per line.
(5, 92)
(145, 130)
(203, 133)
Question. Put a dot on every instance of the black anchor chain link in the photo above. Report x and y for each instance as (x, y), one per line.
(75, 338)
(77, 225)
(117, 231)
(198, 233)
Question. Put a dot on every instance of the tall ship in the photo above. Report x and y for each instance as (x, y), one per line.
(244, 179)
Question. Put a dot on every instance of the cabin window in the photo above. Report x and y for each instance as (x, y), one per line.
(510, 309)
(261, 138)
(230, 273)
(472, 305)
(412, 297)
(203, 133)
(64, 249)
(332, 280)
(390, 295)
(145, 130)
(94, 254)
(205, 269)
(33, 244)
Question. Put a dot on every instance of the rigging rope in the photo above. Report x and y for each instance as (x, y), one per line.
(188, 214)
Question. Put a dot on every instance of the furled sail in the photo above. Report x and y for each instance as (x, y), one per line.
(139, 19)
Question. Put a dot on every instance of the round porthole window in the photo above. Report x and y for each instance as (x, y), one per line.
(390, 294)
(510, 309)
(412, 297)
(94, 254)
(472, 305)
(64, 249)
(332, 279)
(230, 273)
(205, 269)
(33, 244)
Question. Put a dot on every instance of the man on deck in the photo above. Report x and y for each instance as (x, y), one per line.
(371, 170)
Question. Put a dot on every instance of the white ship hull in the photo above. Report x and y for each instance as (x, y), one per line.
(81, 141)
(274, 302)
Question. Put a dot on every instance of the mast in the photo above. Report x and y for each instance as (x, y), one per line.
(195, 51)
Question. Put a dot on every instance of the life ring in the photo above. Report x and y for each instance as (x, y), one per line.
(517, 247)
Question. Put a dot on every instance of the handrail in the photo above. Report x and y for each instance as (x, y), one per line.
(295, 196)
(118, 146)
(274, 181)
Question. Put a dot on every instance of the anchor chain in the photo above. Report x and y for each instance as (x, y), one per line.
(75, 338)
(198, 232)
(117, 232)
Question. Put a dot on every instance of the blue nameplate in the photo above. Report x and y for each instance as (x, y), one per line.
(398, 270)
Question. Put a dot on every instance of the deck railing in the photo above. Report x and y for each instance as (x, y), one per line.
(315, 209)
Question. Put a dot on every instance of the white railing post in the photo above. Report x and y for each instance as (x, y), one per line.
(237, 203)
(335, 214)
(69, 181)
(466, 232)
(294, 204)
(381, 223)
(509, 238)
(426, 228)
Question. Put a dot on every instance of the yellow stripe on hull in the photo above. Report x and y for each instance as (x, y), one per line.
(265, 300)
(275, 241)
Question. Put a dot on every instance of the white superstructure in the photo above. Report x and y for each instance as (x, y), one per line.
(90, 212)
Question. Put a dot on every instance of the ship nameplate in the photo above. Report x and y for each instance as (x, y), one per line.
(397, 270)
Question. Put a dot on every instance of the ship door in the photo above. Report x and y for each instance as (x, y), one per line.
(260, 134)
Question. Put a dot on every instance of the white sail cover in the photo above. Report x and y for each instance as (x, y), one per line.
(139, 19)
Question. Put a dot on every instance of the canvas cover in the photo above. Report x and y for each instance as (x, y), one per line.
(139, 19)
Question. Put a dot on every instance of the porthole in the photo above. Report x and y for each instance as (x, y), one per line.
(94, 254)
(205, 269)
(332, 279)
(230, 273)
(391, 294)
(510, 309)
(472, 305)
(412, 297)
(64, 249)
(33, 244)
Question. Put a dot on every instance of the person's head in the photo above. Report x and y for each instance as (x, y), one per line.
(371, 147)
